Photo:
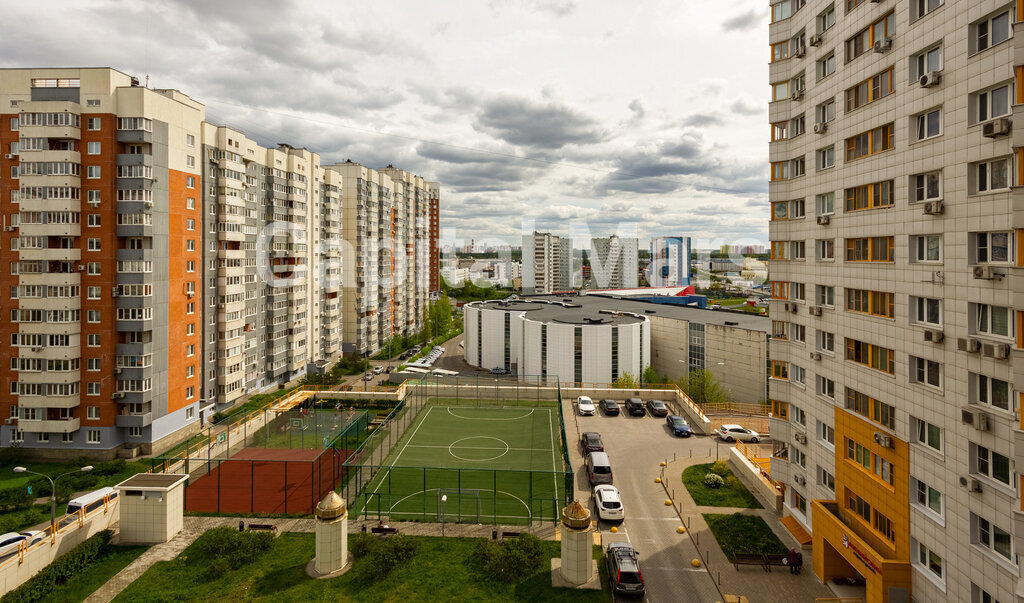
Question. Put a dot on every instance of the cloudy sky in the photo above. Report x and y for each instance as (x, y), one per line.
(599, 113)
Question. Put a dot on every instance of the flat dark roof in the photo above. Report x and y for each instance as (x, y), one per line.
(555, 309)
(151, 481)
(595, 302)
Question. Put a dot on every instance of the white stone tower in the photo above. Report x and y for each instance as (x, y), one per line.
(331, 534)
(578, 565)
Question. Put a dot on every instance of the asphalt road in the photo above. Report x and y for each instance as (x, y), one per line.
(636, 446)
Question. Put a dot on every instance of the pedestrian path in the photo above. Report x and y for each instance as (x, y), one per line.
(160, 552)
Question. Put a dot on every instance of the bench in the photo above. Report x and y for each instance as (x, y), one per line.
(383, 531)
(262, 527)
(776, 560)
(758, 559)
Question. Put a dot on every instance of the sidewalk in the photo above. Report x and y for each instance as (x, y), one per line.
(752, 582)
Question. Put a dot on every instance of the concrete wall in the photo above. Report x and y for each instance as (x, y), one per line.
(750, 475)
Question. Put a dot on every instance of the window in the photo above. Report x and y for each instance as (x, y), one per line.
(797, 289)
(826, 19)
(797, 374)
(876, 303)
(92, 316)
(780, 171)
(870, 355)
(827, 65)
(92, 436)
(858, 505)
(990, 464)
(94, 197)
(94, 244)
(826, 387)
(190, 182)
(990, 104)
(825, 433)
(995, 321)
(190, 328)
(826, 111)
(798, 456)
(926, 187)
(190, 140)
(92, 388)
(923, 432)
(797, 167)
(926, 311)
(798, 333)
(927, 372)
(991, 247)
(783, 10)
(826, 342)
(780, 250)
(925, 496)
(93, 148)
(780, 91)
(991, 536)
(780, 51)
(866, 38)
(190, 245)
(925, 62)
(780, 329)
(797, 126)
(871, 142)
(190, 161)
(93, 172)
(926, 248)
(190, 224)
(826, 479)
(190, 392)
(780, 370)
(93, 220)
(780, 131)
(92, 123)
(93, 340)
(798, 499)
(869, 249)
(135, 432)
(825, 295)
(929, 124)
(920, 8)
(190, 350)
(825, 250)
(826, 157)
(93, 293)
(870, 90)
(190, 308)
(870, 196)
(826, 203)
(190, 203)
(989, 390)
(92, 413)
(67, 438)
(979, 595)
(93, 364)
(780, 290)
(190, 371)
(992, 30)
(985, 176)
(796, 209)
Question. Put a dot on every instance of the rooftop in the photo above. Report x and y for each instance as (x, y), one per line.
(592, 303)
(151, 481)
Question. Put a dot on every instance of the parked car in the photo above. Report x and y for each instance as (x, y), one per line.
(657, 408)
(608, 503)
(585, 406)
(378, 370)
(678, 426)
(591, 441)
(730, 433)
(623, 565)
(599, 468)
(635, 406)
(368, 377)
(610, 407)
(499, 370)
(388, 370)
(9, 542)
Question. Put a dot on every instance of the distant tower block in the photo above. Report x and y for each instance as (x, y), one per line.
(577, 545)
(331, 534)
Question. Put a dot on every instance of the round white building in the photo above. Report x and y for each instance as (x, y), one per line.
(548, 339)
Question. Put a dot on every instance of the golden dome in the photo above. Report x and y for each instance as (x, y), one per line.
(331, 507)
(575, 515)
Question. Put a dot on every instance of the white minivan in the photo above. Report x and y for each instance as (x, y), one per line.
(92, 501)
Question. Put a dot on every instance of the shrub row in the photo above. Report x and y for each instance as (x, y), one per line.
(510, 560)
(61, 570)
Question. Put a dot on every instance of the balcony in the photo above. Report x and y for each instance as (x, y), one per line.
(135, 420)
(49, 401)
(134, 136)
(50, 426)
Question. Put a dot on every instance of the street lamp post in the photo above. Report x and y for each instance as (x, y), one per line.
(444, 499)
(53, 489)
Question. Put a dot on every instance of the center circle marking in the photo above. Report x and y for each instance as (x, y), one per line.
(462, 458)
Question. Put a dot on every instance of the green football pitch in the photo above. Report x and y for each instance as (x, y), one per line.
(479, 465)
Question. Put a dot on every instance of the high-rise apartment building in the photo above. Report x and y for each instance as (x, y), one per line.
(614, 262)
(386, 256)
(670, 262)
(897, 244)
(434, 233)
(547, 263)
(100, 315)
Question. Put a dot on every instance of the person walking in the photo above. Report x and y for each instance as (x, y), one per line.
(791, 560)
(799, 562)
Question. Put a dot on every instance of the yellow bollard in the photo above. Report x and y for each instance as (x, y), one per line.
(662, 464)
(695, 563)
(657, 480)
(680, 530)
(614, 530)
(668, 502)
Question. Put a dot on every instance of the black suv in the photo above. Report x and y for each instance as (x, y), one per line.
(635, 406)
(624, 570)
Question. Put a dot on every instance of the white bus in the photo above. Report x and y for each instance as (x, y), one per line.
(444, 373)
(92, 501)
(413, 369)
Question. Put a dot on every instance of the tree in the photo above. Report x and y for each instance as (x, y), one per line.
(703, 388)
(650, 375)
(625, 381)
(438, 319)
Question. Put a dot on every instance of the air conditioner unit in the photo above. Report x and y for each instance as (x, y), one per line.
(800, 438)
(820, 128)
(10, 228)
(800, 52)
(934, 208)
(118, 395)
(824, 220)
(815, 355)
(973, 485)
(968, 345)
(996, 127)
(815, 40)
(1002, 351)
(37, 349)
(114, 292)
(932, 78)
(793, 307)
(933, 335)
(81, 267)
(967, 416)
(117, 370)
(9, 156)
(985, 273)
(799, 479)
(883, 45)
(149, 204)
(798, 95)
(814, 310)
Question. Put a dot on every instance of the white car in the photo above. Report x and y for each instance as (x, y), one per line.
(9, 542)
(608, 503)
(378, 370)
(586, 406)
(730, 433)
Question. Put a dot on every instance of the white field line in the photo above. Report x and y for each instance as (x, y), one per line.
(554, 462)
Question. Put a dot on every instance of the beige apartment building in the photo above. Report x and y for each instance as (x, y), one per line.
(897, 259)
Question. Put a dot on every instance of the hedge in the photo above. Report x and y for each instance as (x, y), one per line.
(61, 570)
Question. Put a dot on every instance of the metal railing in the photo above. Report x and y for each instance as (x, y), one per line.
(66, 523)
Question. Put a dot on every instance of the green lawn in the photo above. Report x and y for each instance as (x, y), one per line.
(10, 479)
(732, 494)
(738, 533)
(442, 569)
(87, 581)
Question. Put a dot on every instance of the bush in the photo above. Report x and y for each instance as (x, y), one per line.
(16, 521)
(223, 549)
(512, 559)
(15, 498)
(713, 480)
(732, 481)
(385, 556)
(720, 468)
(362, 544)
(61, 570)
